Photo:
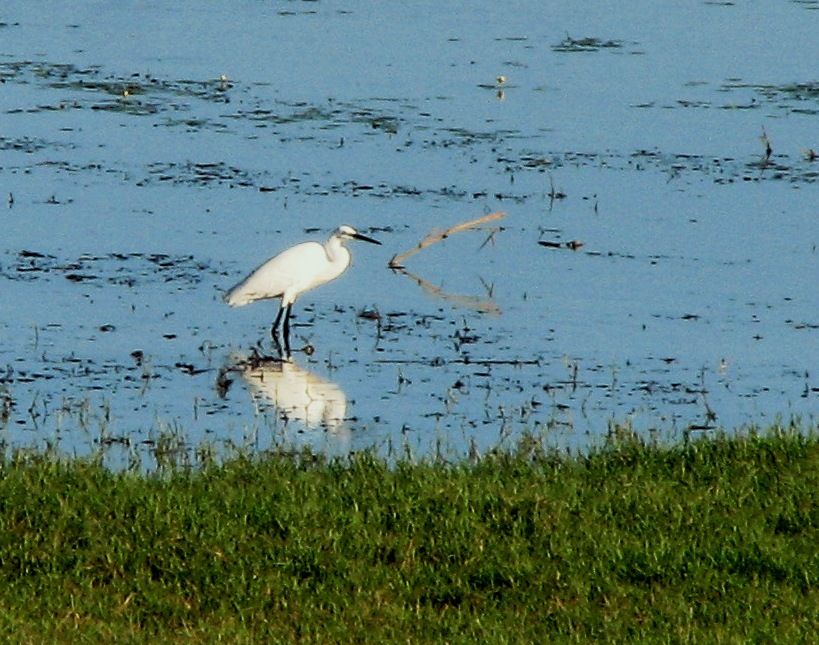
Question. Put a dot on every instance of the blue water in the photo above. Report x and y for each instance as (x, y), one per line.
(152, 153)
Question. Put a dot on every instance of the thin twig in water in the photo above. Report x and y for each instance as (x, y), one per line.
(434, 236)
(768, 146)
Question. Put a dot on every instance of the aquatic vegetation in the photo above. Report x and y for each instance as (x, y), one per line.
(589, 44)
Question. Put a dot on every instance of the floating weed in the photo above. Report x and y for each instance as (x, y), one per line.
(91, 81)
(797, 98)
(119, 269)
(589, 44)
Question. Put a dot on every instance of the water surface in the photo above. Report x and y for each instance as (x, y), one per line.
(151, 154)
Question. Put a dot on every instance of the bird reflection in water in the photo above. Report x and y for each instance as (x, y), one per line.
(297, 393)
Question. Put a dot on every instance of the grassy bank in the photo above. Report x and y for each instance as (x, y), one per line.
(717, 541)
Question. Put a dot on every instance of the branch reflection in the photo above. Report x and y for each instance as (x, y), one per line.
(484, 305)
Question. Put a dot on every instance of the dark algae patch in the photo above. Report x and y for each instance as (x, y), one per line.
(125, 269)
(711, 541)
(589, 44)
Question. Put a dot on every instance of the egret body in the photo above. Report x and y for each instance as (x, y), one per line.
(294, 271)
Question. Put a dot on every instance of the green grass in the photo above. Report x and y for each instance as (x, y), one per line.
(716, 541)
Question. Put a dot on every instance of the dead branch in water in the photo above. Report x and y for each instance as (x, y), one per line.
(434, 236)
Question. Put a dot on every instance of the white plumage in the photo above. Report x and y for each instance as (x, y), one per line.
(294, 271)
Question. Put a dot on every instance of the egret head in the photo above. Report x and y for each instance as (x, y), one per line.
(349, 233)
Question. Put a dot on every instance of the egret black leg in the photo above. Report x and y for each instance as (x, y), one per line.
(277, 345)
(287, 329)
(274, 330)
(277, 321)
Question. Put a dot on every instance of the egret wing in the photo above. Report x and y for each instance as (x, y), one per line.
(289, 271)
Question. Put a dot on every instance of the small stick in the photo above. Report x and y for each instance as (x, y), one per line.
(434, 236)
(768, 146)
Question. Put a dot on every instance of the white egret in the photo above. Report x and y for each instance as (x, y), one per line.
(294, 271)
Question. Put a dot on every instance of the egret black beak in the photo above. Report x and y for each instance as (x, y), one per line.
(364, 238)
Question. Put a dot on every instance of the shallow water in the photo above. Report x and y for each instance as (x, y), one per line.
(152, 154)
